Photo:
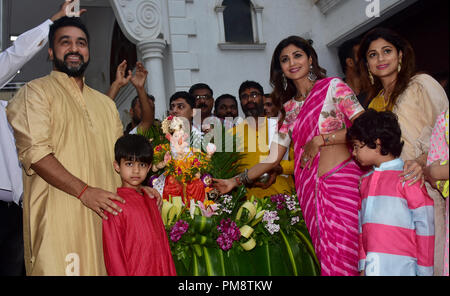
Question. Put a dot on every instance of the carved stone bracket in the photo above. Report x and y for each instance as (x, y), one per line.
(140, 19)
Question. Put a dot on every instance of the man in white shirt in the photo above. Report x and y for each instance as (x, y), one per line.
(26, 46)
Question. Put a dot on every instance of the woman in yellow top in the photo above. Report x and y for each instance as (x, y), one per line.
(387, 67)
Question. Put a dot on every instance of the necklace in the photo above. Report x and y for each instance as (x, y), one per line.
(304, 96)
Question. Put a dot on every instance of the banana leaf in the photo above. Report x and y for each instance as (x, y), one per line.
(288, 256)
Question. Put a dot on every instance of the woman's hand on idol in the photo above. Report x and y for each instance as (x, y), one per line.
(224, 185)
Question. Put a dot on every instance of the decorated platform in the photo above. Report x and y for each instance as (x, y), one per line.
(233, 234)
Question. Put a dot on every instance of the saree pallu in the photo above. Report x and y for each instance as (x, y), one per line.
(329, 203)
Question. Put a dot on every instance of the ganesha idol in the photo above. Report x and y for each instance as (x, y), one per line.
(185, 169)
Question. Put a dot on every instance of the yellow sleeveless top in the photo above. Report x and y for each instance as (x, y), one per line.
(378, 103)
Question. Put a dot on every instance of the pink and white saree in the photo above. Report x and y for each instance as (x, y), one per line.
(329, 203)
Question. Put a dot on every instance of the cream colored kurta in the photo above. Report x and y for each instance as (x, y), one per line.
(417, 109)
(52, 115)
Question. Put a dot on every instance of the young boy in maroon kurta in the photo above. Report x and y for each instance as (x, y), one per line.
(135, 242)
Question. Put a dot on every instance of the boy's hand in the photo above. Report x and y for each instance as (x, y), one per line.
(153, 193)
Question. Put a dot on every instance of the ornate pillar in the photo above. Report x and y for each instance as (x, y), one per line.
(152, 54)
(144, 23)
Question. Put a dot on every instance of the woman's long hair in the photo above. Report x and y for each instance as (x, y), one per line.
(279, 94)
(408, 66)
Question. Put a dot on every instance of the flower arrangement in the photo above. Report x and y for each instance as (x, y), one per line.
(220, 234)
(228, 234)
(186, 169)
(192, 166)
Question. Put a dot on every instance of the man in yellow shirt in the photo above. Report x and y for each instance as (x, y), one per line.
(253, 136)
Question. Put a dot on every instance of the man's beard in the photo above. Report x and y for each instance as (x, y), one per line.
(256, 111)
(76, 71)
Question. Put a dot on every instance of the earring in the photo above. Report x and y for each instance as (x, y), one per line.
(284, 82)
(399, 66)
(311, 75)
(372, 81)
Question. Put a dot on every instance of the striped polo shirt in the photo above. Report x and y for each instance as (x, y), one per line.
(396, 224)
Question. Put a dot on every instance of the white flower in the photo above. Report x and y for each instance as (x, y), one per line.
(272, 228)
(295, 220)
(176, 124)
(270, 217)
(211, 148)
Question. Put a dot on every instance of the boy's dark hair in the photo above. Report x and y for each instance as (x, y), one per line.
(65, 22)
(250, 84)
(373, 125)
(223, 97)
(200, 86)
(345, 51)
(183, 95)
(134, 148)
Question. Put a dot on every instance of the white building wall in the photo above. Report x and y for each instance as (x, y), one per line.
(196, 57)
(192, 33)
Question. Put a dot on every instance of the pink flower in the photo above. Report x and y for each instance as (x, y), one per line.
(347, 107)
(178, 230)
(229, 233)
(207, 211)
(167, 157)
(342, 90)
(330, 124)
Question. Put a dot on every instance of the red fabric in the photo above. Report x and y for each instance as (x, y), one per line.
(172, 187)
(196, 190)
(135, 241)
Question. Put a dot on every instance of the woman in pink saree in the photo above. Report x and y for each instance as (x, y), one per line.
(317, 112)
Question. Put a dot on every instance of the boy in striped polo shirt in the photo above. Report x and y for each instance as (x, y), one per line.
(396, 219)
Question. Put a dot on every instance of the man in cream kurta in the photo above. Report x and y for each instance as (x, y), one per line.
(65, 134)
